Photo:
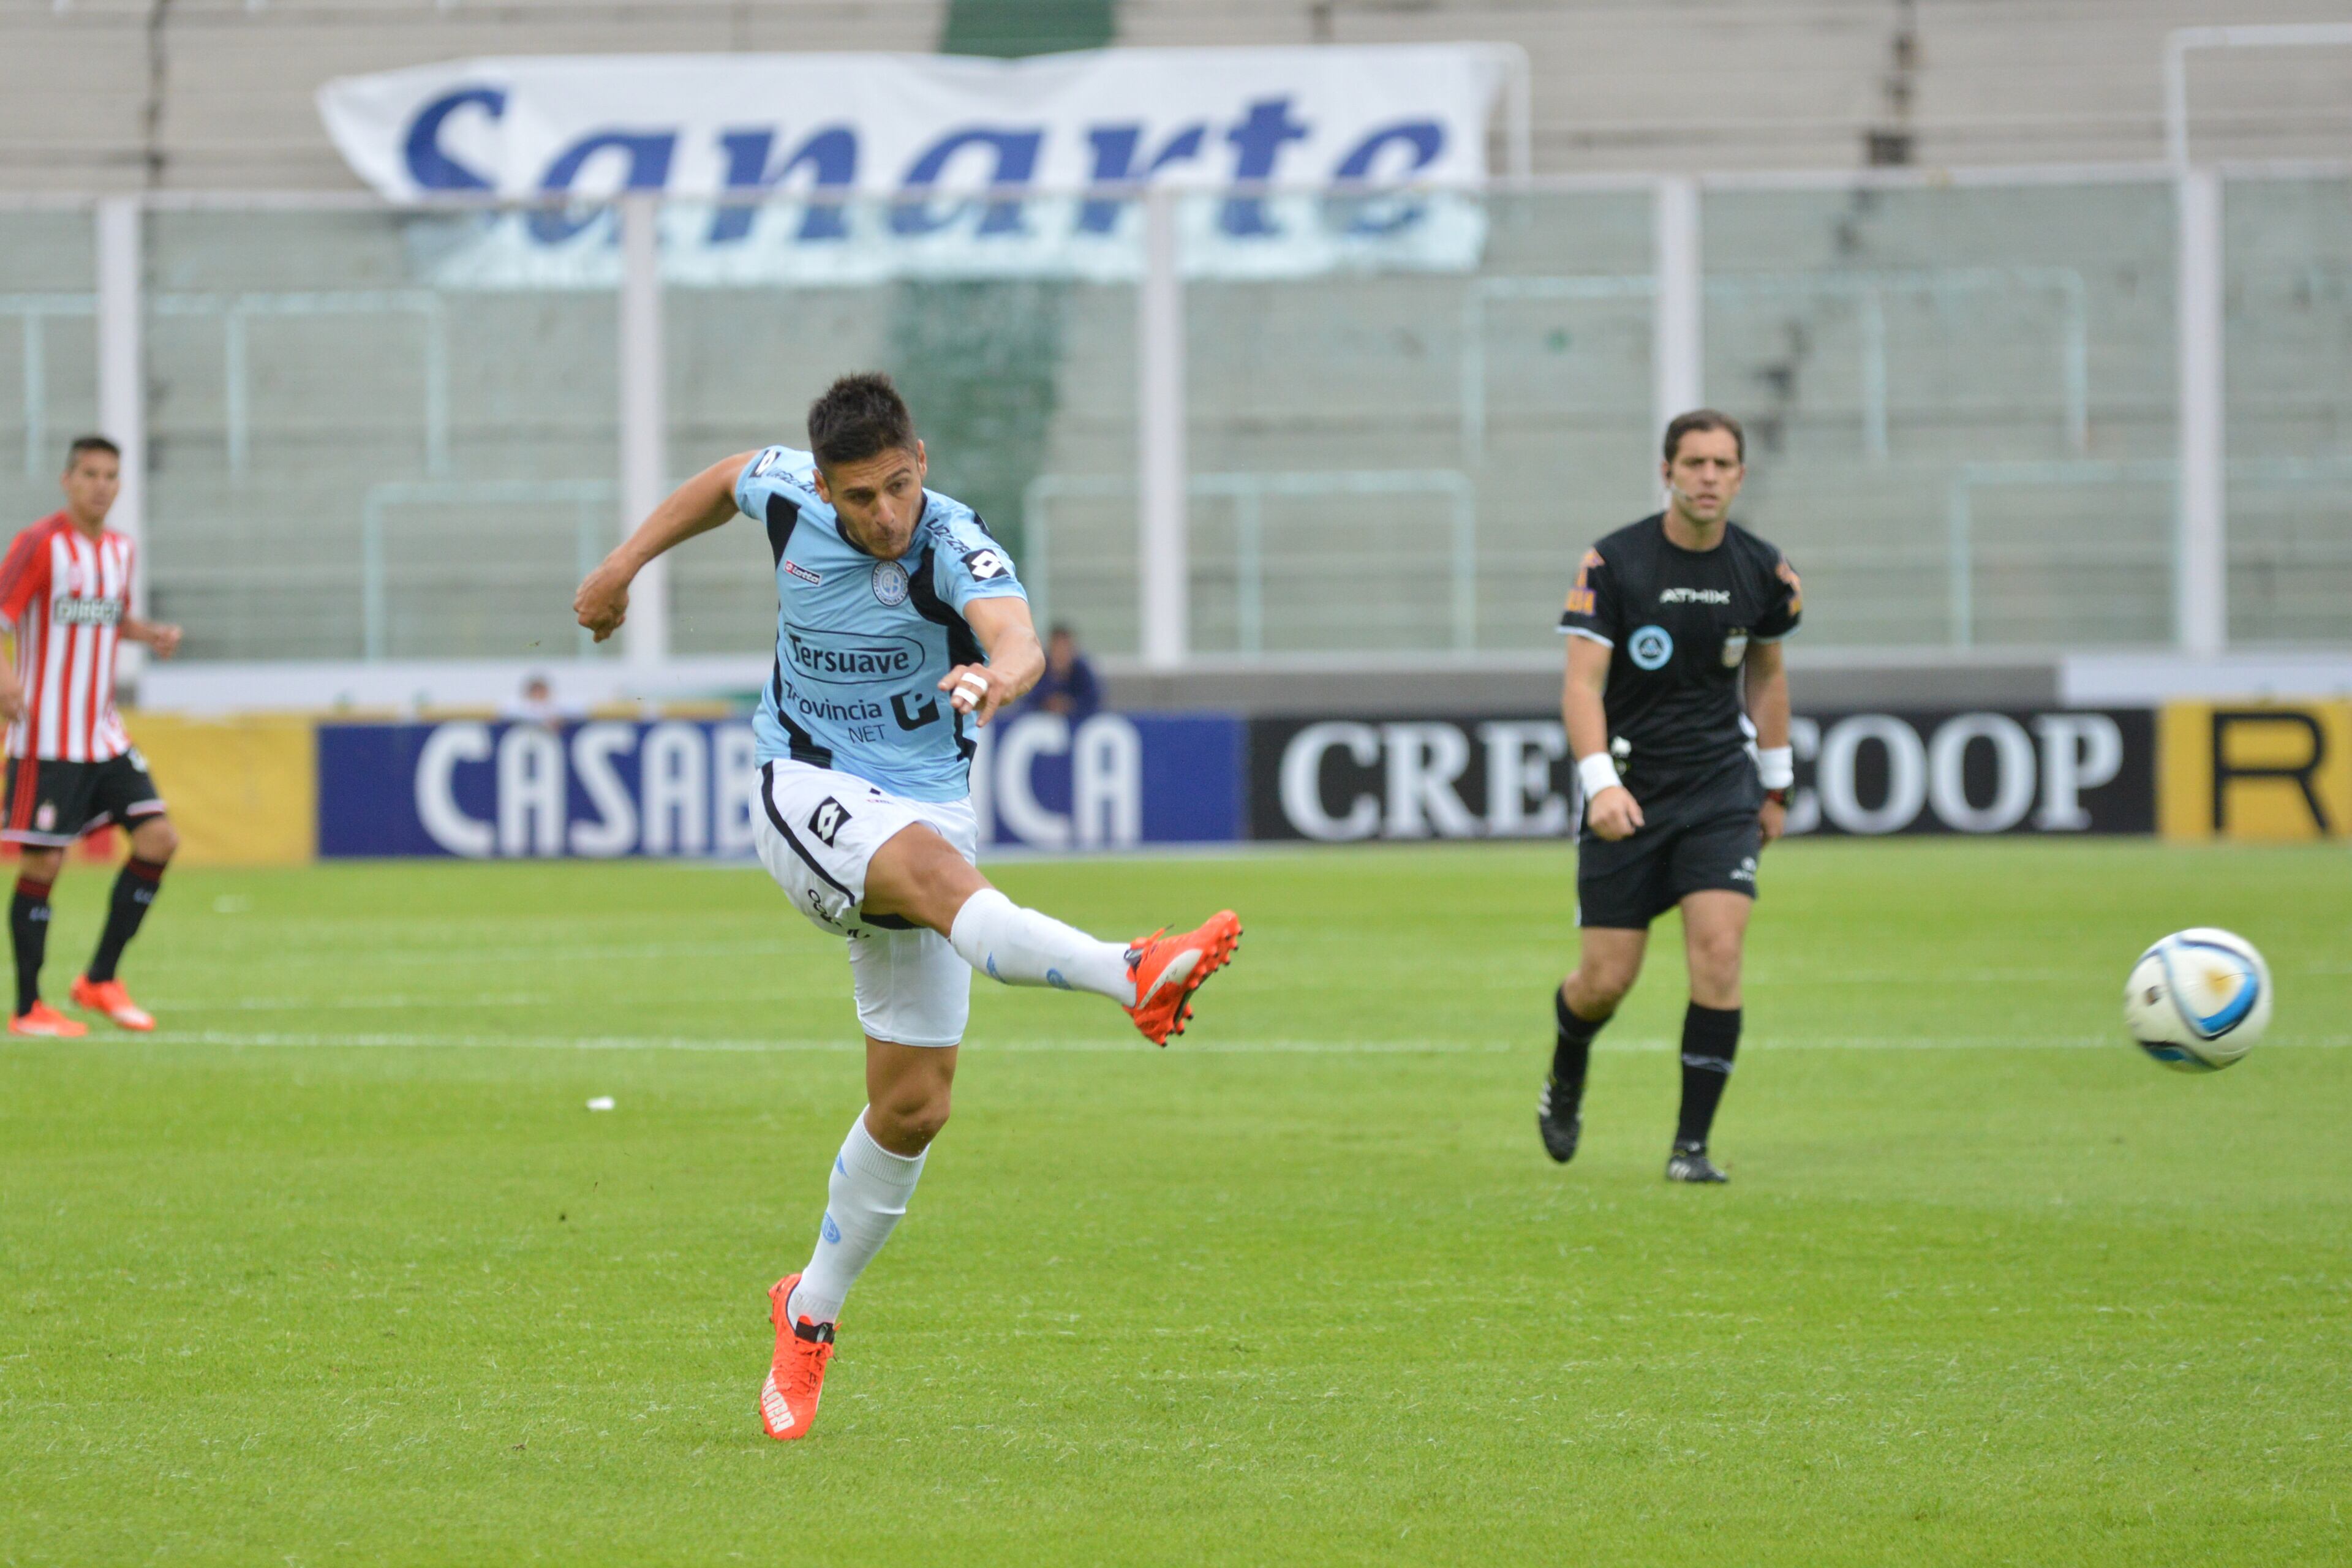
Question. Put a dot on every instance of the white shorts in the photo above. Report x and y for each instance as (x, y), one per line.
(817, 830)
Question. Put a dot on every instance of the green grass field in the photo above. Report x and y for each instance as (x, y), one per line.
(338, 1269)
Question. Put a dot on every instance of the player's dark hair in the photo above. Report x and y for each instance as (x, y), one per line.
(859, 416)
(1682, 424)
(91, 443)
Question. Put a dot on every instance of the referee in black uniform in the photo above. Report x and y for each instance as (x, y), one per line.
(1671, 621)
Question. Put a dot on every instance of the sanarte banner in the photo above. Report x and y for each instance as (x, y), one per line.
(1869, 775)
(967, 167)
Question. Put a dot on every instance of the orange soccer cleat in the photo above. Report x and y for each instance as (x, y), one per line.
(110, 1001)
(797, 1378)
(1169, 969)
(46, 1022)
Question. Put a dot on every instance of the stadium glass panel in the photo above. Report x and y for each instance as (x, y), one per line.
(1023, 387)
(48, 355)
(1408, 455)
(1959, 403)
(374, 434)
(2287, 361)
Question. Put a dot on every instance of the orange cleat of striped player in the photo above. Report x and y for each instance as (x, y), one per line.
(797, 1377)
(110, 1001)
(1169, 969)
(43, 1022)
(66, 601)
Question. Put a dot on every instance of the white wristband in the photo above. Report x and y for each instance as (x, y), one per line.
(1597, 772)
(1777, 766)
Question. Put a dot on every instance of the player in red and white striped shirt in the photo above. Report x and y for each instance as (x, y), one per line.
(65, 596)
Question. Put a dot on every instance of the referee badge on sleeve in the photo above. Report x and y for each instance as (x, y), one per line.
(1735, 647)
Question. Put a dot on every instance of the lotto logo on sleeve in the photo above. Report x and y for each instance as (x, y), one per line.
(1650, 647)
(984, 563)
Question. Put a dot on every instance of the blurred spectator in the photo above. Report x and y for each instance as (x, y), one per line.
(1069, 686)
(537, 705)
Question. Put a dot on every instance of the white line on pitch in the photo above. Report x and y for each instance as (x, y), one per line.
(1235, 1047)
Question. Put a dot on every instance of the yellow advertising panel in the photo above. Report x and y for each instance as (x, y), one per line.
(2273, 772)
(242, 792)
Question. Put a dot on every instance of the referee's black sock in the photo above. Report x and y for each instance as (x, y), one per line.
(1571, 1053)
(28, 931)
(134, 890)
(1710, 1039)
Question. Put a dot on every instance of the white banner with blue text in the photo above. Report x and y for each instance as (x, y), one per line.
(847, 168)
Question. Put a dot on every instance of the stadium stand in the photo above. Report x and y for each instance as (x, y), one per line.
(217, 93)
(1914, 362)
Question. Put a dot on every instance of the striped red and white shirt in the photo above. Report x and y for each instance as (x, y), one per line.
(66, 595)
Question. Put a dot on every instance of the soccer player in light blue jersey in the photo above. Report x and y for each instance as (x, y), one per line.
(901, 629)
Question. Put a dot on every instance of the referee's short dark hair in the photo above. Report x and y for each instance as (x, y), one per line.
(90, 444)
(1682, 424)
(859, 416)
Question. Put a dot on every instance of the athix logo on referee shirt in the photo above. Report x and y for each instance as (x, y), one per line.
(1695, 596)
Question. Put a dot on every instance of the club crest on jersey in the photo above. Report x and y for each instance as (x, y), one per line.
(1650, 647)
(1735, 647)
(889, 582)
(794, 569)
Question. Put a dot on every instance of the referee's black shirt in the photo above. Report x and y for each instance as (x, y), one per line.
(1678, 623)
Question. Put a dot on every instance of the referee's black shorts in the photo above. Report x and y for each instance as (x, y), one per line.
(1695, 838)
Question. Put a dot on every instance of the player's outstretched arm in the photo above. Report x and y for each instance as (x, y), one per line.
(697, 506)
(1610, 808)
(1014, 658)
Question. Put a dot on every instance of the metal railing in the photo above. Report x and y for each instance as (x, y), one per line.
(1868, 290)
(591, 500)
(2081, 378)
(236, 312)
(1248, 492)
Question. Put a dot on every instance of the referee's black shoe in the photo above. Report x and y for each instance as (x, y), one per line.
(1689, 1162)
(1560, 1131)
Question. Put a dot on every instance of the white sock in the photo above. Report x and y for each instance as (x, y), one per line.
(868, 1191)
(1022, 947)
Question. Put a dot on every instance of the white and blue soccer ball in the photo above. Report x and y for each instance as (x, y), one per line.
(2199, 999)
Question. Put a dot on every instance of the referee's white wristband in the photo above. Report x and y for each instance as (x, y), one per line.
(1597, 772)
(1777, 767)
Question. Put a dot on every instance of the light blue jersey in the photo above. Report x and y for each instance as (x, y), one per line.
(862, 643)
